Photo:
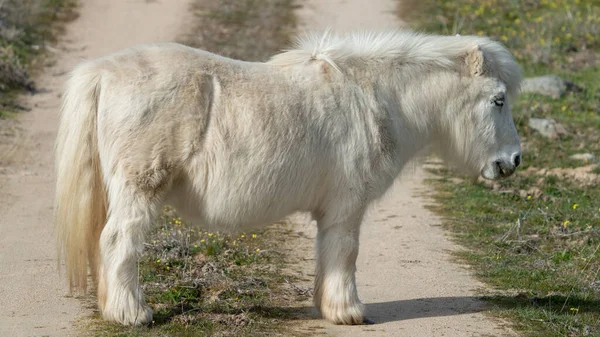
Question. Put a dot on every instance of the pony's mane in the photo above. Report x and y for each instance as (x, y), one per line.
(404, 46)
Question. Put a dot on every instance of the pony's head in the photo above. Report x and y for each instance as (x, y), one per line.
(479, 132)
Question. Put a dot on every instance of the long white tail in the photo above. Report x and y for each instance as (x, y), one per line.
(80, 202)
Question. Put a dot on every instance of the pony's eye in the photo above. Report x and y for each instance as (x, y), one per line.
(499, 102)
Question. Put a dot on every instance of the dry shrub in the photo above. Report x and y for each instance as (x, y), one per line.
(26, 26)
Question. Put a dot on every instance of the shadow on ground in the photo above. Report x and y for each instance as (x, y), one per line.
(401, 310)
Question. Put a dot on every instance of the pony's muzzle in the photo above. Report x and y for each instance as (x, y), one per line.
(505, 167)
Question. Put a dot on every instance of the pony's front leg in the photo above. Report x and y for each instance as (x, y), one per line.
(335, 292)
(120, 296)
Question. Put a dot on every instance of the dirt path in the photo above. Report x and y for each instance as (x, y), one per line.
(405, 275)
(32, 296)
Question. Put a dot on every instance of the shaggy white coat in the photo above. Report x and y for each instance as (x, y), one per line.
(323, 128)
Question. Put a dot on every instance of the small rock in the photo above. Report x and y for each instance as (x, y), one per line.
(534, 192)
(549, 85)
(548, 127)
(586, 157)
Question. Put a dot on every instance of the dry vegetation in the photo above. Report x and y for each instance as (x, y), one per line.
(250, 30)
(27, 28)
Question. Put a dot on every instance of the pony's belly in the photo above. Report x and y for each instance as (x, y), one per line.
(244, 211)
(230, 209)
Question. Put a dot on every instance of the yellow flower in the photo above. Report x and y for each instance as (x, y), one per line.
(168, 268)
(566, 223)
(243, 236)
(528, 197)
(575, 206)
(257, 250)
(202, 241)
(574, 309)
(254, 236)
(158, 261)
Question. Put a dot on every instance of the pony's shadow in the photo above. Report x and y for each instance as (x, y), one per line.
(457, 305)
(401, 310)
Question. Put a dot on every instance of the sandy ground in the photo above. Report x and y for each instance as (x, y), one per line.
(405, 274)
(33, 299)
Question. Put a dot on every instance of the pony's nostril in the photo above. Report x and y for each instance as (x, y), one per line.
(517, 160)
(499, 166)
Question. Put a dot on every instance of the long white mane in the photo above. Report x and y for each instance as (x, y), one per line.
(405, 47)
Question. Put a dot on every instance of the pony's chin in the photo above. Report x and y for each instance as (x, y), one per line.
(489, 172)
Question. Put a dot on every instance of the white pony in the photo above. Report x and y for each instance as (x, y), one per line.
(324, 128)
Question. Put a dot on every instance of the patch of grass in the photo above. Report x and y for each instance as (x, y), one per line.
(535, 237)
(543, 248)
(26, 27)
(541, 33)
(204, 283)
(251, 30)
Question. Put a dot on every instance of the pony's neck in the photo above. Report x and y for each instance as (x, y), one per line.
(411, 98)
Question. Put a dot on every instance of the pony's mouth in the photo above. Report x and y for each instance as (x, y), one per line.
(499, 169)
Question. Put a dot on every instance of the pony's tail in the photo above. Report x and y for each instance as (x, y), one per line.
(80, 208)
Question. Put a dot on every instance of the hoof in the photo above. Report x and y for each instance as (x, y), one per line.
(140, 315)
(348, 314)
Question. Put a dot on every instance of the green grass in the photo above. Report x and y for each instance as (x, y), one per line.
(534, 238)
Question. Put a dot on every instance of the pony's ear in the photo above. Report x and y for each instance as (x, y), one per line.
(475, 61)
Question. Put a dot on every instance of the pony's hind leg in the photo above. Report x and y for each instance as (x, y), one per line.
(335, 292)
(120, 296)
